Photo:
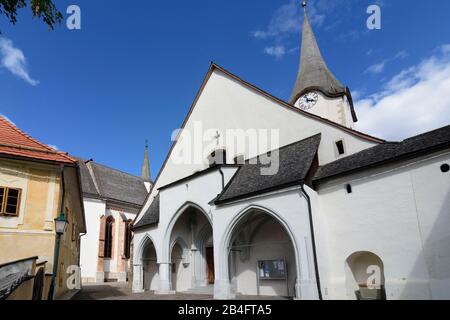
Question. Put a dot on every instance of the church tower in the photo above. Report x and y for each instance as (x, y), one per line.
(317, 90)
(145, 171)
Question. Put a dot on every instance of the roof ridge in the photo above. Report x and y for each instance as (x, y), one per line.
(117, 170)
(26, 135)
(292, 107)
(425, 133)
(29, 137)
(286, 146)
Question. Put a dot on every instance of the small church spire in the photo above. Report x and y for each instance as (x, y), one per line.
(313, 73)
(145, 172)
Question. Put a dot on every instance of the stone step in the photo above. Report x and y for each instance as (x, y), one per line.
(207, 290)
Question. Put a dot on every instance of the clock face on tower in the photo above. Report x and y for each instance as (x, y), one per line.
(308, 100)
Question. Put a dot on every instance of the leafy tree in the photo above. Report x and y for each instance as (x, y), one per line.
(43, 9)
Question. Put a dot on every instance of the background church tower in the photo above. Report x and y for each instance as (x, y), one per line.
(145, 171)
(317, 90)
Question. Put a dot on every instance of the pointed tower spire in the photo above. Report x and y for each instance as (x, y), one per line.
(145, 172)
(313, 72)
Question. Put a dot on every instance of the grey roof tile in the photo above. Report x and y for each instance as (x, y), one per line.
(87, 184)
(112, 184)
(384, 152)
(117, 185)
(151, 216)
(295, 161)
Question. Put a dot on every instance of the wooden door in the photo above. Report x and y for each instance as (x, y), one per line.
(210, 263)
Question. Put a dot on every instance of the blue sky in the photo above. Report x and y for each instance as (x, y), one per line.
(132, 71)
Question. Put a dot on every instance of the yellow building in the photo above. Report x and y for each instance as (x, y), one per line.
(37, 183)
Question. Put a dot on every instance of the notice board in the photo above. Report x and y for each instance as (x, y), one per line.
(272, 269)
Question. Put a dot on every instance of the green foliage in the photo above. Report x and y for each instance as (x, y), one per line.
(43, 9)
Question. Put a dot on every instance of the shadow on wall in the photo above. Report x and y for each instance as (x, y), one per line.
(435, 252)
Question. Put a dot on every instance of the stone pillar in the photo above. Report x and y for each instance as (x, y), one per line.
(222, 286)
(138, 278)
(165, 282)
(194, 267)
(306, 290)
(222, 290)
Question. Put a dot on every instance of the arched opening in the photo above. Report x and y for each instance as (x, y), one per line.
(261, 257)
(149, 267)
(181, 277)
(365, 276)
(190, 251)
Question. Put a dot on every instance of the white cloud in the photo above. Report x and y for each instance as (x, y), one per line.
(286, 21)
(401, 55)
(446, 48)
(53, 147)
(378, 68)
(414, 101)
(14, 60)
(276, 51)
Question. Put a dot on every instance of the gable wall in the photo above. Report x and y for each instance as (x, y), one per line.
(226, 103)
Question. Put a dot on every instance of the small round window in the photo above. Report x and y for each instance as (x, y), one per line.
(445, 168)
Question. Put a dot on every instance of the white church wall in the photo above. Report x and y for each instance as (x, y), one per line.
(228, 104)
(393, 212)
(94, 209)
(432, 195)
(322, 240)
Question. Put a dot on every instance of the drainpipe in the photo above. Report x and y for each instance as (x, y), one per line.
(223, 178)
(313, 241)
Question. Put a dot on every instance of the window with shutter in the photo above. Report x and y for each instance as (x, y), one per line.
(9, 201)
(101, 239)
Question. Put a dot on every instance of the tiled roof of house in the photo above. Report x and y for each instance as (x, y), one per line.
(15, 142)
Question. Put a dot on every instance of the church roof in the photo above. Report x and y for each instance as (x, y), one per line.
(285, 104)
(151, 216)
(314, 73)
(99, 181)
(145, 171)
(14, 142)
(295, 161)
(386, 152)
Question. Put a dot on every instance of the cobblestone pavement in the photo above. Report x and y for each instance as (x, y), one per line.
(116, 291)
